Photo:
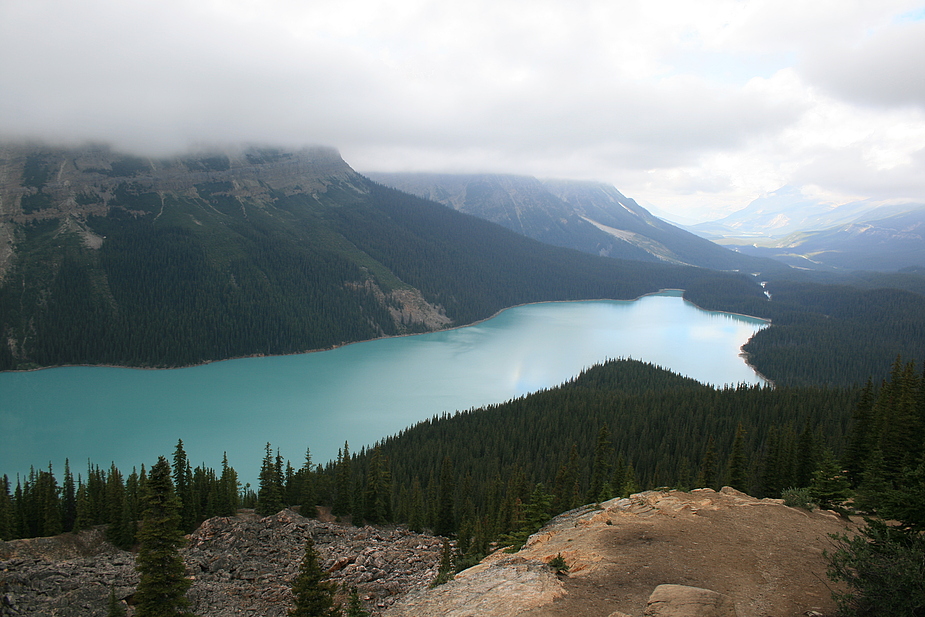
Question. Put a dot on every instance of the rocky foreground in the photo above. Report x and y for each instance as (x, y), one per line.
(240, 566)
(656, 553)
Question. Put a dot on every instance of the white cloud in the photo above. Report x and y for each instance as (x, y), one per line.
(697, 106)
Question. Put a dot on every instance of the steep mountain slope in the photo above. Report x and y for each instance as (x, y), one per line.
(588, 216)
(115, 259)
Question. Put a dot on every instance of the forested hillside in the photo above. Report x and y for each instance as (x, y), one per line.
(120, 260)
(831, 333)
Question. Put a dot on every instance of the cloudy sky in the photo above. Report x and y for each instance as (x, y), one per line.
(695, 108)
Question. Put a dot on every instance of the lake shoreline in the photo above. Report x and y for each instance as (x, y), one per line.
(449, 329)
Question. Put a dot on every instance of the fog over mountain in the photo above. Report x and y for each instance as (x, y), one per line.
(697, 108)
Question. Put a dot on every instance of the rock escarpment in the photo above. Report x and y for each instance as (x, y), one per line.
(239, 566)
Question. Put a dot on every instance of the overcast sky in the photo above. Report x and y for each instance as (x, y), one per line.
(693, 107)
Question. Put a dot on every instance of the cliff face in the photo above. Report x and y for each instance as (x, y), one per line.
(764, 557)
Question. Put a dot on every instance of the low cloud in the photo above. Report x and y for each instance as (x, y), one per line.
(696, 105)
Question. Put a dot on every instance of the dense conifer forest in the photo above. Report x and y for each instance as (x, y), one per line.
(494, 475)
(616, 428)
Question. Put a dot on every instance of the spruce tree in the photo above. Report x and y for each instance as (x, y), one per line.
(312, 593)
(162, 583)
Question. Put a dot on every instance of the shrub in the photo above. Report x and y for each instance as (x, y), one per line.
(798, 498)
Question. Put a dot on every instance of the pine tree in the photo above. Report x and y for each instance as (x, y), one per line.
(162, 583)
(312, 593)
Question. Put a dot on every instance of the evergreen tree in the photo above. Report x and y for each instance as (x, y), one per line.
(737, 473)
(312, 593)
(68, 498)
(600, 469)
(6, 509)
(445, 523)
(378, 493)
(829, 486)
(806, 457)
(418, 510)
(343, 483)
(706, 477)
(228, 489)
(270, 491)
(118, 530)
(308, 499)
(183, 486)
(162, 583)
(114, 607)
(355, 606)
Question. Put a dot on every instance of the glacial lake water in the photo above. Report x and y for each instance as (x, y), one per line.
(358, 393)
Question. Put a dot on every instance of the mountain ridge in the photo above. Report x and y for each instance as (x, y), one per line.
(115, 259)
(589, 216)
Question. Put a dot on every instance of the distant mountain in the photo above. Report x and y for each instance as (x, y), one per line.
(787, 211)
(885, 244)
(107, 258)
(588, 216)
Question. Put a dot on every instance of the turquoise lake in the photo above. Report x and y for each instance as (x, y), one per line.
(357, 393)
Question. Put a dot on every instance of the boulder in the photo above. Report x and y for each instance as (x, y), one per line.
(684, 601)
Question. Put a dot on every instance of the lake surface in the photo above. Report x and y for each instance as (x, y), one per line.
(358, 393)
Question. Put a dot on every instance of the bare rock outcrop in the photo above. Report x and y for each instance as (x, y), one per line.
(763, 557)
(684, 601)
(241, 565)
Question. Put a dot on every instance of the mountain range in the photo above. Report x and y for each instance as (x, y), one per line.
(806, 233)
(109, 258)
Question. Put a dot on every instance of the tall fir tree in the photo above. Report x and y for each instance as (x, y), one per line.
(270, 491)
(162, 582)
(308, 499)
